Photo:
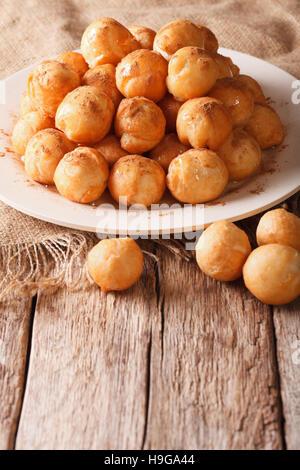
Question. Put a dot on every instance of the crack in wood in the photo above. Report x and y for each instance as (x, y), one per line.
(27, 361)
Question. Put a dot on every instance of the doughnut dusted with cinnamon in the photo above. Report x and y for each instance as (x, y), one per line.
(170, 108)
(48, 84)
(44, 152)
(222, 250)
(265, 126)
(241, 154)
(138, 179)
(140, 124)
(279, 226)
(115, 264)
(27, 126)
(82, 175)
(111, 149)
(203, 122)
(237, 98)
(182, 33)
(226, 68)
(142, 73)
(192, 72)
(106, 41)
(75, 60)
(85, 115)
(167, 149)
(145, 36)
(254, 87)
(197, 176)
(272, 274)
(103, 77)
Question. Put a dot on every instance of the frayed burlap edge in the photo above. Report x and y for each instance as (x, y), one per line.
(49, 264)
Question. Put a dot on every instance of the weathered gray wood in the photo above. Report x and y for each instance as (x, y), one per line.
(87, 379)
(14, 329)
(213, 382)
(287, 327)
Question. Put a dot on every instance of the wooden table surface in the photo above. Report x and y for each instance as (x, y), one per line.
(179, 361)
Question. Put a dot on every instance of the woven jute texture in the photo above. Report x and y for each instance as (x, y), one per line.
(36, 254)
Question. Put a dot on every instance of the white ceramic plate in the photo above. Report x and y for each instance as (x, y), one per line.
(279, 179)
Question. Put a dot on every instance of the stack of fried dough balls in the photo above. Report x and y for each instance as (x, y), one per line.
(139, 111)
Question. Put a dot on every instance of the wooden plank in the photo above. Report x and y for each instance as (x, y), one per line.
(213, 378)
(87, 378)
(287, 327)
(14, 332)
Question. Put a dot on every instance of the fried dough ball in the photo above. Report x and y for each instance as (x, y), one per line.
(142, 73)
(82, 175)
(170, 108)
(145, 36)
(26, 105)
(203, 122)
(115, 263)
(226, 68)
(44, 152)
(139, 179)
(241, 154)
(140, 123)
(182, 33)
(106, 41)
(49, 83)
(236, 97)
(111, 149)
(26, 127)
(254, 87)
(265, 126)
(103, 77)
(197, 176)
(272, 274)
(279, 226)
(168, 148)
(75, 60)
(192, 72)
(222, 250)
(85, 115)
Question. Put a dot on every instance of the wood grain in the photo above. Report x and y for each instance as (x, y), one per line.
(287, 327)
(213, 382)
(87, 379)
(14, 331)
(179, 361)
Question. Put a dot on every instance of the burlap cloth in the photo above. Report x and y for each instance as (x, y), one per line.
(34, 254)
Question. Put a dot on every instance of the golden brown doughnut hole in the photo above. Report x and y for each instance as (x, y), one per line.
(272, 274)
(145, 36)
(85, 115)
(106, 41)
(82, 175)
(75, 60)
(279, 226)
(168, 148)
(222, 250)
(192, 72)
(265, 126)
(142, 73)
(139, 179)
(197, 176)
(115, 263)
(170, 108)
(111, 149)
(203, 122)
(49, 83)
(103, 77)
(26, 127)
(236, 97)
(140, 124)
